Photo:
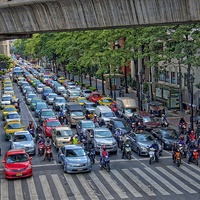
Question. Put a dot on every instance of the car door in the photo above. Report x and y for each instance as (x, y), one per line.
(62, 153)
(133, 141)
(78, 127)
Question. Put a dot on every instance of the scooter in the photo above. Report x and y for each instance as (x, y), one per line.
(152, 157)
(41, 148)
(31, 131)
(61, 119)
(48, 153)
(195, 156)
(91, 155)
(106, 164)
(177, 157)
(127, 151)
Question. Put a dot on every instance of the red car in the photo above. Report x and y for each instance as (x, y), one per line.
(95, 96)
(48, 82)
(17, 164)
(48, 124)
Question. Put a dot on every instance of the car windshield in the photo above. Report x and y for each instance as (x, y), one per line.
(76, 114)
(9, 109)
(76, 93)
(87, 92)
(119, 124)
(64, 133)
(53, 123)
(88, 125)
(13, 116)
(8, 89)
(96, 95)
(60, 101)
(15, 126)
(148, 119)
(144, 138)
(48, 113)
(61, 88)
(82, 100)
(130, 110)
(170, 134)
(108, 114)
(17, 158)
(107, 100)
(21, 138)
(103, 134)
(41, 106)
(75, 153)
(6, 98)
(91, 105)
(36, 100)
(52, 96)
(32, 95)
(47, 90)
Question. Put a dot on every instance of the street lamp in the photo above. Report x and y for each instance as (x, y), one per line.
(191, 80)
(141, 89)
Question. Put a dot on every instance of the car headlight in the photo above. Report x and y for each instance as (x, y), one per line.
(114, 143)
(7, 170)
(143, 148)
(69, 165)
(29, 167)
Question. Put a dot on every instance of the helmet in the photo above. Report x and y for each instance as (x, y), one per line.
(155, 141)
(163, 115)
(48, 139)
(76, 136)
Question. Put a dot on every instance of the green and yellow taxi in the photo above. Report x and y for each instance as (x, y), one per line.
(7, 109)
(12, 127)
(81, 100)
(61, 79)
(105, 101)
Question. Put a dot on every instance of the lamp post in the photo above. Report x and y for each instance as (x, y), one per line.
(191, 80)
(141, 89)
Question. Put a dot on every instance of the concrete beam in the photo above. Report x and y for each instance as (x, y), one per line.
(36, 16)
(14, 36)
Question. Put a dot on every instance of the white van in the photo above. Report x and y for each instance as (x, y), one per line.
(105, 113)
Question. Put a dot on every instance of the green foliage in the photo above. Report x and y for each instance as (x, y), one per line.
(8, 62)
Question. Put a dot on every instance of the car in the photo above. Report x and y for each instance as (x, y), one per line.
(12, 116)
(61, 79)
(95, 97)
(64, 94)
(103, 136)
(166, 137)
(46, 90)
(50, 98)
(59, 88)
(72, 95)
(85, 93)
(149, 121)
(6, 100)
(35, 83)
(40, 87)
(46, 113)
(119, 123)
(12, 127)
(74, 159)
(48, 82)
(23, 140)
(48, 125)
(70, 85)
(17, 164)
(74, 116)
(141, 141)
(39, 106)
(90, 106)
(105, 101)
(61, 136)
(81, 100)
(33, 102)
(7, 109)
(156, 108)
(83, 125)
(29, 97)
(25, 88)
(58, 103)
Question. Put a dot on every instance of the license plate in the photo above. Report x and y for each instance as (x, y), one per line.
(19, 174)
(80, 169)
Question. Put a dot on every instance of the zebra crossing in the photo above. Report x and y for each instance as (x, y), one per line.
(126, 183)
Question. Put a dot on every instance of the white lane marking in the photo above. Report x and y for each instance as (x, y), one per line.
(113, 184)
(192, 173)
(32, 189)
(151, 181)
(185, 177)
(165, 182)
(86, 186)
(100, 185)
(73, 187)
(139, 183)
(4, 189)
(131, 189)
(176, 180)
(46, 188)
(18, 190)
(61, 191)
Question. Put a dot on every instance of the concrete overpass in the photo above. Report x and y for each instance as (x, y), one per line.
(21, 18)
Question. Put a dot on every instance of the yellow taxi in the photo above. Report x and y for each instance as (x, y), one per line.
(61, 79)
(7, 109)
(7, 84)
(105, 101)
(12, 127)
(19, 79)
(81, 100)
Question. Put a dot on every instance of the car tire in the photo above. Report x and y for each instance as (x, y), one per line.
(138, 152)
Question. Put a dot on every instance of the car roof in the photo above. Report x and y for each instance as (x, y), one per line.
(14, 122)
(51, 120)
(14, 151)
(143, 113)
(62, 128)
(46, 109)
(101, 129)
(22, 133)
(59, 97)
(10, 113)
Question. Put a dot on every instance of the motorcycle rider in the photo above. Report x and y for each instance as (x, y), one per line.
(118, 134)
(191, 148)
(75, 139)
(41, 140)
(174, 149)
(61, 116)
(156, 147)
(104, 153)
(31, 128)
(192, 135)
(48, 143)
(133, 126)
(164, 120)
(38, 129)
(181, 122)
(126, 142)
(140, 126)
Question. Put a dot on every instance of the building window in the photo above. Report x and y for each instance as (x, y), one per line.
(185, 79)
(167, 76)
(173, 79)
(162, 76)
(178, 82)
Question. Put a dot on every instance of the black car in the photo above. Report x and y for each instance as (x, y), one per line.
(119, 123)
(166, 136)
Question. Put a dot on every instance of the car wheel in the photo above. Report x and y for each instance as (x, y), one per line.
(138, 152)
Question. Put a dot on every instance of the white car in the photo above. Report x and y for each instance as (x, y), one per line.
(86, 93)
(12, 116)
(5, 100)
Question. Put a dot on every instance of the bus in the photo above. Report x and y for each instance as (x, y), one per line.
(17, 71)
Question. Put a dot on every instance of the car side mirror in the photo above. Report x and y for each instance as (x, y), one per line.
(3, 161)
(30, 158)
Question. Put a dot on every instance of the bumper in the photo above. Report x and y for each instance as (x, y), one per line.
(111, 149)
(78, 169)
(16, 175)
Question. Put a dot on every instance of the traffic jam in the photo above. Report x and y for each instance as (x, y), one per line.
(72, 125)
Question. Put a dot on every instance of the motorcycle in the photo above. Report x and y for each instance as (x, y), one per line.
(48, 153)
(106, 164)
(177, 157)
(183, 128)
(31, 131)
(61, 119)
(164, 124)
(195, 156)
(41, 148)
(152, 156)
(127, 151)
(183, 150)
(91, 155)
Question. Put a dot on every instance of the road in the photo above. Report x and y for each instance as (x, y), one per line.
(134, 179)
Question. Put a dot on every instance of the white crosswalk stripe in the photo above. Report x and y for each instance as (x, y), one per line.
(176, 180)
(118, 184)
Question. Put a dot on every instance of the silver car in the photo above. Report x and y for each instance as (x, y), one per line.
(50, 98)
(86, 93)
(83, 125)
(103, 136)
(23, 140)
(74, 159)
(12, 116)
